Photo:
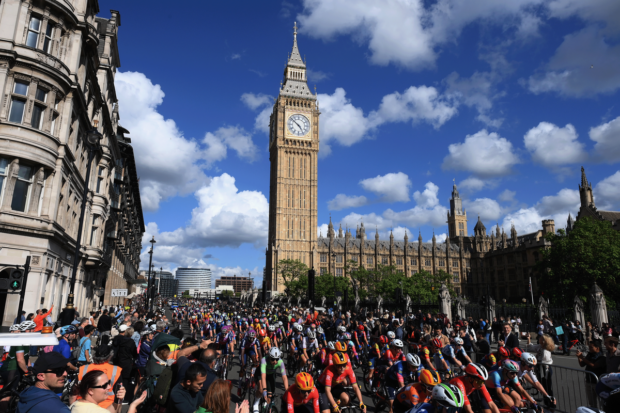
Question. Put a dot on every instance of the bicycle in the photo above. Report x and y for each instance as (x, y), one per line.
(579, 346)
(264, 407)
(246, 382)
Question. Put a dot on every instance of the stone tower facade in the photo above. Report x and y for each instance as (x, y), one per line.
(457, 216)
(293, 152)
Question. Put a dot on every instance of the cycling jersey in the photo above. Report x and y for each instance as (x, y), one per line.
(451, 354)
(607, 384)
(396, 373)
(390, 356)
(310, 344)
(271, 369)
(330, 377)
(294, 399)
(467, 388)
(412, 395)
(497, 380)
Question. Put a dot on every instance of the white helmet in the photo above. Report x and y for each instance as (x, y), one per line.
(272, 328)
(331, 345)
(458, 341)
(14, 327)
(27, 325)
(280, 323)
(391, 335)
(295, 326)
(448, 395)
(275, 353)
(342, 329)
(319, 330)
(413, 360)
(298, 327)
(310, 334)
(397, 343)
(528, 359)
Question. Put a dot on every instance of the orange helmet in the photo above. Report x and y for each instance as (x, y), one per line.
(262, 332)
(304, 381)
(339, 358)
(429, 377)
(340, 346)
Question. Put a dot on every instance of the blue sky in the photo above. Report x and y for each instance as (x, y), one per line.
(507, 98)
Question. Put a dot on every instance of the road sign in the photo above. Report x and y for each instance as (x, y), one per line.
(119, 292)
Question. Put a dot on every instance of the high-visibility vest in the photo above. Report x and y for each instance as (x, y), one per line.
(113, 373)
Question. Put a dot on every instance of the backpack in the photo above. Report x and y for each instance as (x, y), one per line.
(162, 388)
(75, 353)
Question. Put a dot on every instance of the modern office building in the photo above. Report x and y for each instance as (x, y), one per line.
(194, 280)
(238, 283)
(168, 285)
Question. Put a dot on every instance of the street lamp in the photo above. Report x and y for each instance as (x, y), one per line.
(148, 296)
(99, 292)
(93, 138)
(334, 265)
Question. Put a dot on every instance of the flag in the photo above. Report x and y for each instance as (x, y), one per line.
(530, 288)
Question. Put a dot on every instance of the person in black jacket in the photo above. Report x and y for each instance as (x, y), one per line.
(125, 351)
(104, 325)
(507, 338)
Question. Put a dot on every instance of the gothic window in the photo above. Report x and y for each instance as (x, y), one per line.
(339, 272)
(384, 260)
(293, 168)
(95, 229)
(442, 263)
(323, 257)
(467, 263)
(427, 263)
(414, 261)
(338, 258)
(462, 233)
(323, 270)
(399, 261)
(414, 272)
(23, 187)
(4, 167)
(455, 264)
(18, 102)
(354, 258)
(461, 225)
(455, 277)
(34, 29)
(369, 260)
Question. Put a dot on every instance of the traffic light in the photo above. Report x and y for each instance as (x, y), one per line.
(16, 279)
(483, 301)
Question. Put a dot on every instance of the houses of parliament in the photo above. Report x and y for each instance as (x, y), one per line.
(505, 262)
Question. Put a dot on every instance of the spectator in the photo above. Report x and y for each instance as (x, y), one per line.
(51, 374)
(144, 352)
(217, 400)
(20, 319)
(94, 388)
(104, 324)
(544, 348)
(398, 329)
(126, 353)
(85, 356)
(438, 334)
(185, 397)
(41, 315)
(448, 329)
(508, 339)
(102, 360)
(207, 360)
(83, 323)
(613, 360)
(594, 362)
(496, 328)
(482, 346)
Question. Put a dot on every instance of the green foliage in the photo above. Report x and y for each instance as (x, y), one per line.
(292, 273)
(327, 285)
(226, 293)
(589, 253)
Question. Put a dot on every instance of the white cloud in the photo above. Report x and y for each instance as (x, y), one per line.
(233, 137)
(427, 198)
(607, 138)
(473, 184)
(439, 239)
(342, 201)
(476, 91)
(235, 56)
(564, 200)
(322, 230)
(507, 196)
(392, 187)
(263, 103)
(316, 75)
(484, 154)
(607, 193)
(591, 11)
(487, 209)
(154, 139)
(585, 64)
(553, 146)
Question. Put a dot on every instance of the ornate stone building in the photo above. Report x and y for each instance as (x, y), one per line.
(588, 207)
(57, 67)
(293, 151)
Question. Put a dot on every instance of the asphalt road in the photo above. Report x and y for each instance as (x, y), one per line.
(568, 379)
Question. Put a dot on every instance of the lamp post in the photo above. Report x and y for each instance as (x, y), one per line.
(93, 139)
(148, 294)
(334, 265)
(251, 282)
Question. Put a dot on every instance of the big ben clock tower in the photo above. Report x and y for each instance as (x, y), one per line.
(293, 151)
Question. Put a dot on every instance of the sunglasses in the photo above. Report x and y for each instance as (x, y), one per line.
(305, 391)
(59, 371)
(511, 373)
(478, 382)
(103, 386)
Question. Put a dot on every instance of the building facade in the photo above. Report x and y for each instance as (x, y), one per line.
(293, 152)
(194, 280)
(588, 207)
(238, 283)
(57, 67)
(168, 285)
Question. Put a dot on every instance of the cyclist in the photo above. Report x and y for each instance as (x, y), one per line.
(376, 351)
(309, 346)
(413, 394)
(302, 396)
(438, 363)
(527, 364)
(455, 354)
(445, 397)
(395, 376)
(63, 347)
(359, 336)
(331, 385)
(326, 354)
(249, 347)
(341, 330)
(320, 336)
(266, 380)
(474, 378)
(505, 387)
(493, 361)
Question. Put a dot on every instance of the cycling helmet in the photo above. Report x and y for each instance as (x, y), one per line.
(360, 327)
(280, 323)
(503, 352)
(331, 345)
(458, 341)
(391, 335)
(275, 353)
(272, 328)
(528, 359)
(383, 339)
(413, 360)
(14, 327)
(437, 343)
(256, 320)
(339, 358)
(319, 330)
(304, 381)
(516, 352)
(312, 325)
(342, 329)
(429, 377)
(68, 330)
(295, 326)
(397, 343)
(228, 323)
(27, 325)
(293, 320)
(510, 366)
(252, 333)
(477, 370)
(340, 346)
(311, 335)
(298, 327)
(448, 395)
(348, 336)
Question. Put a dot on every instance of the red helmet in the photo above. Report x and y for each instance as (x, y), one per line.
(477, 370)
(437, 343)
(360, 327)
(262, 332)
(292, 319)
(256, 320)
(516, 352)
(383, 339)
(313, 325)
(503, 352)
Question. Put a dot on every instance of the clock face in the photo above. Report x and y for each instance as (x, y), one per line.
(298, 125)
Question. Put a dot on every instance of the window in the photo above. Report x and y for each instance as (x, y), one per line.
(338, 258)
(461, 225)
(41, 95)
(21, 192)
(100, 180)
(414, 261)
(93, 234)
(456, 277)
(399, 261)
(384, 260)
(339, 272)
(354, 258)
(455, 264)
(17, 104)
(427, 263)
(524, 257)
(54, 117)
(323, 270)
(37, 116)
(323, 257)
(49, 34)
(4, 166)
(467, 263)
(33, 32)
(442, 263)
(414, 272)
(369, 260)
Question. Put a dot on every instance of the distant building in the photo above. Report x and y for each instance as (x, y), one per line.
(194, 280)
(168, 285)
(589, 209)
(238, 283)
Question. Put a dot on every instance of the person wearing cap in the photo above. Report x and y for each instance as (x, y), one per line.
(51, 373)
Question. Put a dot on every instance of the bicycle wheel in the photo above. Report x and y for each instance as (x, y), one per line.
(382, 406)
(367, 386)
(272, 408)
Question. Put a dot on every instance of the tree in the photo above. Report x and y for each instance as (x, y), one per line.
(227, 293)
(324, 286)
(589, 253)
(292, 272)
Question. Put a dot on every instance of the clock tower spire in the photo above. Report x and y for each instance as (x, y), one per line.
(293, 153)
